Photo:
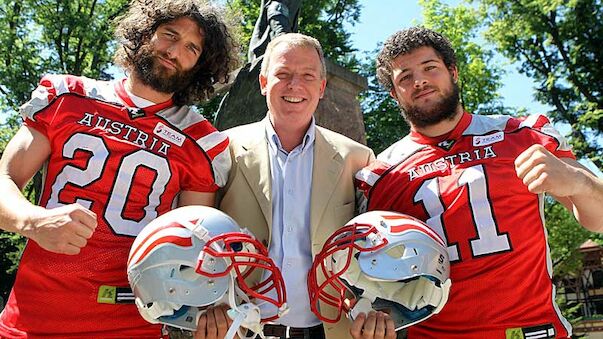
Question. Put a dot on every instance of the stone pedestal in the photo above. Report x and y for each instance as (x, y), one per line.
(339, 110)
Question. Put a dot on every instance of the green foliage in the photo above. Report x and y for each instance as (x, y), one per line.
(11, 245)
(208, 109)
(558, 44)
(565, 236)
(22, 62)
(382, 118)
(52, 36)
(324, 20)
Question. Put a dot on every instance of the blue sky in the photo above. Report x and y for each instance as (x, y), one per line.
(381, 18)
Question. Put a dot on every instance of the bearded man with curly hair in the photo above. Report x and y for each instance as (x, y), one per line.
(116, 154)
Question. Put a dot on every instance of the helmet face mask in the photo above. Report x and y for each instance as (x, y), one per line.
(383, 261)
(194, 257)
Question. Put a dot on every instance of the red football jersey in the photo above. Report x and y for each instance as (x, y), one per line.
(465, 187)
(127, 165)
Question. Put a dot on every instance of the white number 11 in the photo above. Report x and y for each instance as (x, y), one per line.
(488, 239)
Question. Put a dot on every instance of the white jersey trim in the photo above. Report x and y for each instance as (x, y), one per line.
(367, 176)
(182, 117)
(482, 124)
(399, 151)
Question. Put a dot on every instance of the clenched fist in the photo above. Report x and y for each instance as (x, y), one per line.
(64, 230)
(541, 171)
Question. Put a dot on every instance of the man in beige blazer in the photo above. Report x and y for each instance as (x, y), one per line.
(293, 79)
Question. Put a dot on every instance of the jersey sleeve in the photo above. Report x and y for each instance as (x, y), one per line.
(548, 136)
(365, 179)
(215, 146)
(49, 88)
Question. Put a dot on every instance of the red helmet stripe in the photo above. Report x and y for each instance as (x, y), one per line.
(144, 241)
(172, 239)
(408, 227)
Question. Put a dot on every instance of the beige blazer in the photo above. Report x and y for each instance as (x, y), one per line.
(247, 195)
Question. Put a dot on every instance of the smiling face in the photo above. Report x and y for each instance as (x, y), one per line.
(166, 61)
(293, 85)
(425, 88)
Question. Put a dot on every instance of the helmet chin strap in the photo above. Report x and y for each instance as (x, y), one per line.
(244, 316)
(427, 295)
(445, 293)
(363, 305)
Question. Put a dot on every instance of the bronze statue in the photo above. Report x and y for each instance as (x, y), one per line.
(244, 102)
(276, 18)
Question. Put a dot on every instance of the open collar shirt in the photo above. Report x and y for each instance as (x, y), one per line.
(290, 247)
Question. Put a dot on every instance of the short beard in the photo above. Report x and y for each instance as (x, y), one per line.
(151, 73)
(445, 109)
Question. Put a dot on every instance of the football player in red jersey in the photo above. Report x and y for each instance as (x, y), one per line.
(479, 182)
(115, 156)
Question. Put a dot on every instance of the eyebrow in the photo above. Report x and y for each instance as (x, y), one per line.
(168, 27)
(173, 31)
(279, 67)
(422, 63)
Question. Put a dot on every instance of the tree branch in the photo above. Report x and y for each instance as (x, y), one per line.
(551, 21)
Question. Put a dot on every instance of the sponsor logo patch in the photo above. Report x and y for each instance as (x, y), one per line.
(135, 113)
(114, 295)
(169, 134)
(446, 144)
(106, 295)
(536, 332)
(484, 140)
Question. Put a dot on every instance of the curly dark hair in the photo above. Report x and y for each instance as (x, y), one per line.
(220, 49)
(406, 41)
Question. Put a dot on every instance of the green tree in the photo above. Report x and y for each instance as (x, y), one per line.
(382, 118)
(558, 44)
(565, 235)
(46, 36)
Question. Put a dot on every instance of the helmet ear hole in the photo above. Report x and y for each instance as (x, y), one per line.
(396, 252)
(188, 273)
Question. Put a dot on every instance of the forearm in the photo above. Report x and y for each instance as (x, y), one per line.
(15, 209)
(587, 203)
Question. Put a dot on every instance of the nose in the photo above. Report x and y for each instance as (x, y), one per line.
(295, 81)
(170, 51)
(420, 82)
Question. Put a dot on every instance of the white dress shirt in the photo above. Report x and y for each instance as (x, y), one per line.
(290, 247)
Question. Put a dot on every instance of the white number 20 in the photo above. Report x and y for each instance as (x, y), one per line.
(115, 205)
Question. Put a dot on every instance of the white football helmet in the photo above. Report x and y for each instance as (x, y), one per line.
(385, 261)
(196, 256)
